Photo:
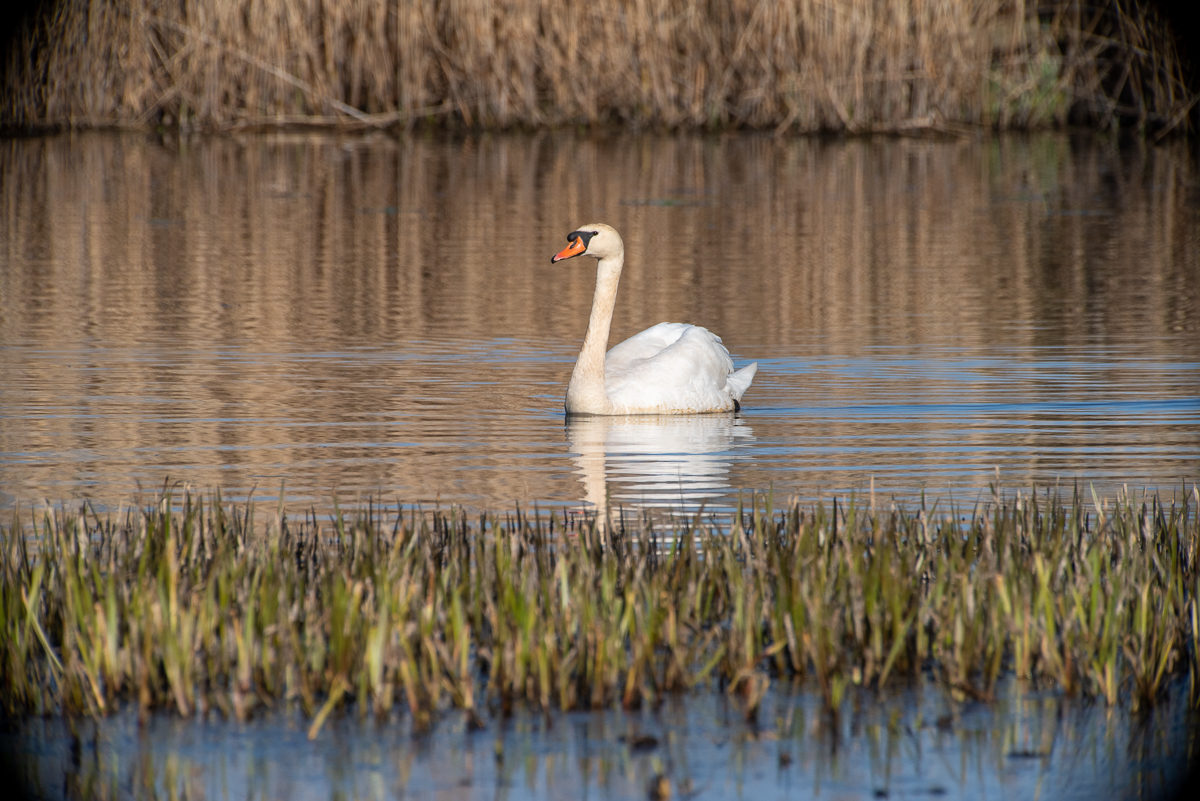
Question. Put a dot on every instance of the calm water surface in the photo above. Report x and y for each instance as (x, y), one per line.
(911, 744)
(348, 317)
(362, 316)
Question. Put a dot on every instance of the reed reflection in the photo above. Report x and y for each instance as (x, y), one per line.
(655, 461)
(376, 314)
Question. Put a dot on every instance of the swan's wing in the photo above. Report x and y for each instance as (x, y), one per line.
(690, 374)
(644, 345)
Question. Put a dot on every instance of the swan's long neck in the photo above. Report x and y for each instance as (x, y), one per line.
(585, 393)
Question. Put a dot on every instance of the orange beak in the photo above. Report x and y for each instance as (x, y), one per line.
(576, 247)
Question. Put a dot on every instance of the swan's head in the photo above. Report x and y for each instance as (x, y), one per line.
(597, 240)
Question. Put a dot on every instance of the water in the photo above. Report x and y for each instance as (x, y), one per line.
(348, 317)
(913, 743)
(369, 316)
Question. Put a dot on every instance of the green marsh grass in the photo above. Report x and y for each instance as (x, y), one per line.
(192, 605)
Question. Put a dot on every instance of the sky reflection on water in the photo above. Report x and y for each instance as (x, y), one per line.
(914, 743)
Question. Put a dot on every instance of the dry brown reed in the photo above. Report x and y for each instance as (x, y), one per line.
(788, 65)
(194, 606)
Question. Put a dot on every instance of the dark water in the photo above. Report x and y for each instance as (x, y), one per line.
(911, 744)
(377, 316)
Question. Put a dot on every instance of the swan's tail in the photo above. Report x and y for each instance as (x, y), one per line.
(739, 382)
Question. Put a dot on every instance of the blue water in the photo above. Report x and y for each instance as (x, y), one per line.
(909, 743)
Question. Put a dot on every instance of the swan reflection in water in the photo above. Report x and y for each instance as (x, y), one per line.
(672, 461)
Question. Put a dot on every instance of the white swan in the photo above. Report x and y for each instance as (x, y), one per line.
(670, 368)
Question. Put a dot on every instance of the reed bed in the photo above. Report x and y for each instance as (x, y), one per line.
(787, 65)
(193, 606)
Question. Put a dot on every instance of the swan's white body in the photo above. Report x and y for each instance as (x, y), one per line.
(670, 368)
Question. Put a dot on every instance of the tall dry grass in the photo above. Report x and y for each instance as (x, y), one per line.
(791, 65)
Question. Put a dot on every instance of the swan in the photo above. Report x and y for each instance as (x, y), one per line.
(670, 368)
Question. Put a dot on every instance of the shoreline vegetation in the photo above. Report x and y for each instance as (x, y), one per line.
(788, 66)
(191, 604)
